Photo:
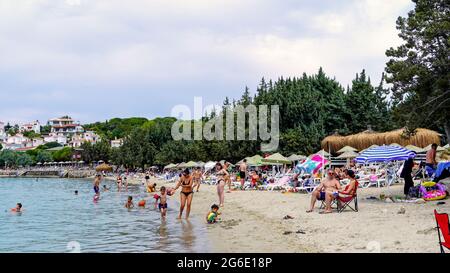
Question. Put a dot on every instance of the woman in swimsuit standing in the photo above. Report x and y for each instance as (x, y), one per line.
(222, 173)
(187, 192)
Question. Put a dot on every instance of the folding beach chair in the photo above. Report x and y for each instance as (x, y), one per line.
(345, 202)
(443, 226)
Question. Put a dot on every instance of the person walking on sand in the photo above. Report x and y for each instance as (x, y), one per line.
(326, 191)
(431, 157)
(221, 173)
(243, 172)
(197, 177)
(407, 176)
(228, 176)
(187, 193)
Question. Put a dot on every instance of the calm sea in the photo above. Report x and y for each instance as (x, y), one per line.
(56, 220)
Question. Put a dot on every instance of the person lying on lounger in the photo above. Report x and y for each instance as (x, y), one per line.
(326, 191)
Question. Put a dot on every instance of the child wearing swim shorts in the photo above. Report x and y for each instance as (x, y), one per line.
(163, 202)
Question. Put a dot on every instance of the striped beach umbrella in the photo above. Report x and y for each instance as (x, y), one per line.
(384, 154)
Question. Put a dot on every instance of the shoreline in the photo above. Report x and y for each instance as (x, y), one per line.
(252, 222)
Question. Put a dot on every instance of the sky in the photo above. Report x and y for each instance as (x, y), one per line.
(99, 59)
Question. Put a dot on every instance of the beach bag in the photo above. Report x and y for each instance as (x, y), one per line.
(414, 192)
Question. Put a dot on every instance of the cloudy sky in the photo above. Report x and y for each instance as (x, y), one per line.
(98, 59)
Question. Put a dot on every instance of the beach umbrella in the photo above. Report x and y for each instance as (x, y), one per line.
(312, 164)
(190, 164)
(348, 154)
(322, 153)
(439, 148)
(295, 157)
(384, 154)
(210, 165)
(276, 159)
(255, 161)
(347, 149)
(39, 163)
(153, 167)
(395, 144)
(201, 164)
(170, 166)
(415, 149)
(181, 165)
(104, 168)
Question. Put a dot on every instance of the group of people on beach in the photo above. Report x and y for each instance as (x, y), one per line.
(188, 183)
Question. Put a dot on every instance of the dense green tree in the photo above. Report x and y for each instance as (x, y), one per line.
(63, 155)
(419, 68)
(24, 159)
(44, 156)
(8, 158)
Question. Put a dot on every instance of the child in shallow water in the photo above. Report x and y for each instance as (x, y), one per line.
(129, 204)
(213, 216)
(163, 202)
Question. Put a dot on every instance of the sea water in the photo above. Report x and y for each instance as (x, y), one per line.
(55, 220)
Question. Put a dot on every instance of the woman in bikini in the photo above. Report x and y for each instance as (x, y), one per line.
(187, 193)
(228, 176)
(222, 173)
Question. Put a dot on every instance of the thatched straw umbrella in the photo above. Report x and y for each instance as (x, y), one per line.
(415, 149)
(363, 140)
(348, 155)
(346, 149)
(104, 168)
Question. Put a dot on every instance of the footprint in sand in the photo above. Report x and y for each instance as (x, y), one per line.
(426, 231)
(229, 224)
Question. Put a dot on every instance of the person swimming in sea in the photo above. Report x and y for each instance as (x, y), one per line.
(129, 204)
(18, 208)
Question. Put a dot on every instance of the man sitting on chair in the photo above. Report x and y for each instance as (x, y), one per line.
(326, 191)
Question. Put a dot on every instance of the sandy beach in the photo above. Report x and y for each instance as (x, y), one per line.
(252, 221)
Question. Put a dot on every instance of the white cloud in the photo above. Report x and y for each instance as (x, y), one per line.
(182, 48)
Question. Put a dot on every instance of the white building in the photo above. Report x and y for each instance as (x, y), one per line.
(18, 139)
(117, 143)
(65, 125)
(56, 137)
(34, 126)
(79, 139)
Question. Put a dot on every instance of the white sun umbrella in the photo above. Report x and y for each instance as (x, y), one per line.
(447, 146)
(210, 165)
(347, 149)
